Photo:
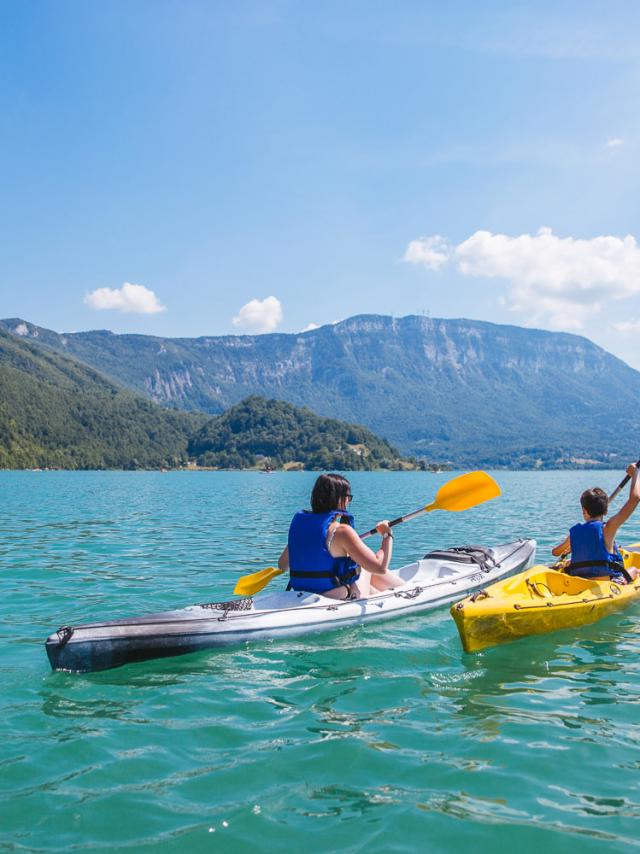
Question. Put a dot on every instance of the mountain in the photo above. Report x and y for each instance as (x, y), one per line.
(471, 392)
(257, 429)
(57, 412)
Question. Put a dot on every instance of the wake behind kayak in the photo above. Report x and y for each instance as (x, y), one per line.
(438, 578)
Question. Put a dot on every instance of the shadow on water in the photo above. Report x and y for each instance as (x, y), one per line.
(264, 684)
(578, 669)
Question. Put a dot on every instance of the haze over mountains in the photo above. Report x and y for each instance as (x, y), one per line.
(470, 392)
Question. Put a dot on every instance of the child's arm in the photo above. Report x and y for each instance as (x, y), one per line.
(615, 522)
(562, 548)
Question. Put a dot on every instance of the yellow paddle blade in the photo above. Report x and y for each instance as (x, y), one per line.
(250, 584)
(464, 492)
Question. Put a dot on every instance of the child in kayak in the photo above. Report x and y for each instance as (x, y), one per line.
(594, 553)
(324, 553)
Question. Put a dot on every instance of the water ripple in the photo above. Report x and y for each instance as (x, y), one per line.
(382, 738)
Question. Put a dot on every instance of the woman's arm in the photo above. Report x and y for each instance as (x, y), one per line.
(283, 560)
(348, 541)
(615, 522)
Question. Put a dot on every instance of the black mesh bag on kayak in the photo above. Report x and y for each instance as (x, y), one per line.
(478, 555)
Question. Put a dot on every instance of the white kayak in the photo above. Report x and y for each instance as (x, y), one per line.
(437, 579)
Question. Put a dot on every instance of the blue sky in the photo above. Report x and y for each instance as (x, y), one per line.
(289, 163)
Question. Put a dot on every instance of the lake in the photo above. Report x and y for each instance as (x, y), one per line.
(380, 738)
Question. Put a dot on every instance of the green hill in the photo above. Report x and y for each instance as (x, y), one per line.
(58, 413)
(257, 429)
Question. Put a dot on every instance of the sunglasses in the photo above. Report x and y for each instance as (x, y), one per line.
(349, 496)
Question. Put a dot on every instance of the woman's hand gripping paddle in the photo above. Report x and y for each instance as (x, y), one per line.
(461, 493)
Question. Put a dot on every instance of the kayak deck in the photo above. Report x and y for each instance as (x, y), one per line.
(541, 600)
(438, 578)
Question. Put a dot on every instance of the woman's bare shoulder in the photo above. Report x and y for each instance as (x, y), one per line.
(345, 532)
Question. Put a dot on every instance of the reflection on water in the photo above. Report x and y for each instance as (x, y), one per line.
(341, 801)
(59, 706)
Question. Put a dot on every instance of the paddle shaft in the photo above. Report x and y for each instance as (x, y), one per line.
(395, 522)
(621, 485)
(461, 493)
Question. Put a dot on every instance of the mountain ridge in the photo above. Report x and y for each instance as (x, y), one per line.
(460, 390)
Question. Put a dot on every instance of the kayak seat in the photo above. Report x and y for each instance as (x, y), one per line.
(551, 584)
(540, 588)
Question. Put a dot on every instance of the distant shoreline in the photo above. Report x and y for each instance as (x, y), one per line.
(196, 469)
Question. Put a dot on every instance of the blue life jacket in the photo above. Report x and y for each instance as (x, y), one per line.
(589, 555)
(311, 565)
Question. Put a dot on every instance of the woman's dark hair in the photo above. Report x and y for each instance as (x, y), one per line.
(595, 501)
(328, 490)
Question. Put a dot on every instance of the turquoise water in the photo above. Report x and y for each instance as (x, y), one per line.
(381, 738)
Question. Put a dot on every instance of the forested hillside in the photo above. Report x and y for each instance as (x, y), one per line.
(258, 431)
(56, 412)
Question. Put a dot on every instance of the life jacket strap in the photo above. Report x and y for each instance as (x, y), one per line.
(303, 573)
(610, 564)
(581, 564)
(341, 578)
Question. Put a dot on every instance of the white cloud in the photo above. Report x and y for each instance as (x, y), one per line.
(627, 327)
(557, 280)
(129, 299)
(311, 326)
(431, 252)
(615, 142)
(260, 315)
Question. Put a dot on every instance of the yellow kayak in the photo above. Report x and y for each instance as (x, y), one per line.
(541, 600)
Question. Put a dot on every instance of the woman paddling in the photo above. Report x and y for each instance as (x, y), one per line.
(325, 554)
